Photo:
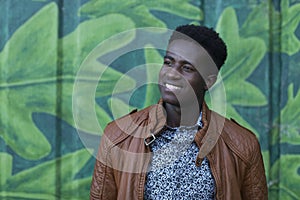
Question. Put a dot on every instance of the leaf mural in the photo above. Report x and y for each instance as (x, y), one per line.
(6, 170)
(89, 36)
(33, 80)
(289, 118)
(290, 22)
(280, 26)
(118, 107)
(140, 11)
(285, 178)
(154, 63)
(152, 67)
(285, 140)
(244, 55)
(39, 73)
(33, 45)
(55, 178)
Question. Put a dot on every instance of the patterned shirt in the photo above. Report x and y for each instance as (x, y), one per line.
(173, 173)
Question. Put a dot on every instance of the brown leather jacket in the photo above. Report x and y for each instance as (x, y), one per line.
(123, 158)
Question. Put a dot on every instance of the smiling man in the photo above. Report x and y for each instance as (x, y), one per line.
(179, 149)
(181, 84)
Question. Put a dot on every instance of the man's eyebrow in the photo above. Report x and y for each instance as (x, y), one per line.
(187, 62)
(183, 62)
(169, 57)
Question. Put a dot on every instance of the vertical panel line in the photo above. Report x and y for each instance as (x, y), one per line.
(58, 133)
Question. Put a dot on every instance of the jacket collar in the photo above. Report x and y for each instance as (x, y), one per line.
(208, 136)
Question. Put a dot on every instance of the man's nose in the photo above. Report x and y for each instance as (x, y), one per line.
(173, 73)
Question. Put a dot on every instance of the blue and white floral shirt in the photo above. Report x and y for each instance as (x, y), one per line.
(173, 173)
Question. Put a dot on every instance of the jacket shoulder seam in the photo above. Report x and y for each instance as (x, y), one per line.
(134, 115)
(233, 146)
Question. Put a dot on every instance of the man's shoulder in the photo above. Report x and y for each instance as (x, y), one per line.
(116, 128)
(232, 130)
(236, 130)
(133, 116)
(240, 139)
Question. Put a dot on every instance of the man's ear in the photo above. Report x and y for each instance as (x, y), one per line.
(210, 80)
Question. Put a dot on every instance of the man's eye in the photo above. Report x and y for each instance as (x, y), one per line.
(187, 68)
(168, 63)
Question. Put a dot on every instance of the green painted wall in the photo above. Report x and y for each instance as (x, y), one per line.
(45, 154)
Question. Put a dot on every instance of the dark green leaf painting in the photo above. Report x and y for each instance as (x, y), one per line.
(48, 138)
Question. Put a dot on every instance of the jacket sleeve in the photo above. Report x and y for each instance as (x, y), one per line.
(255, 183)
(103, 183)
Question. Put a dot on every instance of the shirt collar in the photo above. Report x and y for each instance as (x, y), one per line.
(199, 123)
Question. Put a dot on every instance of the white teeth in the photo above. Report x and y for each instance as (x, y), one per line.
(172, 87)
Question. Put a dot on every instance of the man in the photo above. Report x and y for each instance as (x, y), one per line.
(179, 149)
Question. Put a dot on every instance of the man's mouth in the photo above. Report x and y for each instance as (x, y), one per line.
(172, 87)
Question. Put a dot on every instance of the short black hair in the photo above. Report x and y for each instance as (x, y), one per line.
(208, 38)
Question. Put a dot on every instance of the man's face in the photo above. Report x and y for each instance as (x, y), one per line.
(180, 78)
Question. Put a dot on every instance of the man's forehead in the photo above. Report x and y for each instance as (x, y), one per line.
(189, 50)
(176, 55)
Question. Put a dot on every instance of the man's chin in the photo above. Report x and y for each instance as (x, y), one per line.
(179, 103)
(171, 101)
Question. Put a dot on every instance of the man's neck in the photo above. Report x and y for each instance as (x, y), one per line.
(182, 116)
